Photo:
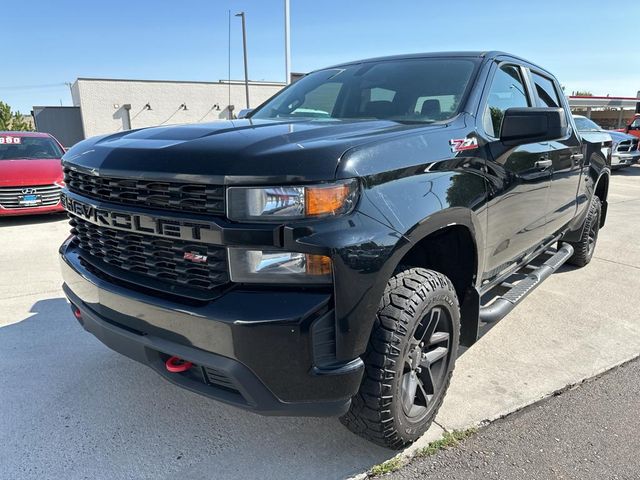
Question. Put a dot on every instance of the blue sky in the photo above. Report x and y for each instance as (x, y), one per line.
(589, 45)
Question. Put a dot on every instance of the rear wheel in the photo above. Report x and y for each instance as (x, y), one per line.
(409, 359)
(584, 248)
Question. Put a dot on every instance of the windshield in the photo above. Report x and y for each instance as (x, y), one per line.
(585, 125)
(413, 90)
(30, 148)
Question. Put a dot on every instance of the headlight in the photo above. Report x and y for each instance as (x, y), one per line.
(259, 266)
(283, 203)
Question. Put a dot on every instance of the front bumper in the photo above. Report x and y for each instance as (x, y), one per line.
(251, 348)
(624, 159)
(58, 208)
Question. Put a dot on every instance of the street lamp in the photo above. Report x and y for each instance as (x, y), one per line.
(287, 43)
(244, 47)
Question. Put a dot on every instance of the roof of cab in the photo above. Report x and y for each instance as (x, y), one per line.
(490, 54)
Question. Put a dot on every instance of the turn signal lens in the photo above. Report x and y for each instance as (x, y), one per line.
(325, 200)
(318, 265)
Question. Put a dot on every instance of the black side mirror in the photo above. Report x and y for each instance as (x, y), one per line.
(532, 125)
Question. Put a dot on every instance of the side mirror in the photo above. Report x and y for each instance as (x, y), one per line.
(244, 112)
(532, 125)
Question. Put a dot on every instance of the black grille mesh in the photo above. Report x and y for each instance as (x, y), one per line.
(153, 257)
(185, 197)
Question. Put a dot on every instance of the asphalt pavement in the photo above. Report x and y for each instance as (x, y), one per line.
(71, 408)
(589, 432)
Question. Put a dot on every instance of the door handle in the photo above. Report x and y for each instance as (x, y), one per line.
(577, 157)
(544, 164)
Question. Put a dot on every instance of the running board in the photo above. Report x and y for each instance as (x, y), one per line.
(502, 305)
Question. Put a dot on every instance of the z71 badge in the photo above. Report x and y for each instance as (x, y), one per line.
(462, 144)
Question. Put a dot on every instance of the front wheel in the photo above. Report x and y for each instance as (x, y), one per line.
(584, 248)
(409, 359)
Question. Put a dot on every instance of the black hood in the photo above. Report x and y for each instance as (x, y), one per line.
(231, 151)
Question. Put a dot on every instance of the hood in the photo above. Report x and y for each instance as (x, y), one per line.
(232, 151)
(619, 136)
(17, 173)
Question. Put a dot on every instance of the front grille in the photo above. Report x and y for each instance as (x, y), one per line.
(159, 261)
(47, 196)
(628, 146)
(184, 197)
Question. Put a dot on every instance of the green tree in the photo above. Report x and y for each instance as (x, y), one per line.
(10, 120)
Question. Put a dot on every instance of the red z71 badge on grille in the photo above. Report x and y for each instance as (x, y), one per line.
(195, 257)
(462, 144)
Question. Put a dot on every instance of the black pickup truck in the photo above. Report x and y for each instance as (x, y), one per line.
(328, 254)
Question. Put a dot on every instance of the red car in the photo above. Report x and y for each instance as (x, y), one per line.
(30, 173)
(634, 127)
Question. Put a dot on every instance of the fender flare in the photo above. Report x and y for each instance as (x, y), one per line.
(455, 216)
(437, 221)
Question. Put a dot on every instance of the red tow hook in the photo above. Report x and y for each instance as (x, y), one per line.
(177, 365)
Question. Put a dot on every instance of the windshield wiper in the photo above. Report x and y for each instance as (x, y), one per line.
(413, 122)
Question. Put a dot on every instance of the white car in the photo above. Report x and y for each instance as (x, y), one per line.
(625, 149)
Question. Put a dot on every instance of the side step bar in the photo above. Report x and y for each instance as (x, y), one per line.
(502, 305)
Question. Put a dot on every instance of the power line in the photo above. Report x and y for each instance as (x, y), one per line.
(33, 87)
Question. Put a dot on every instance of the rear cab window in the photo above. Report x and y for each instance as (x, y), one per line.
(548, 95)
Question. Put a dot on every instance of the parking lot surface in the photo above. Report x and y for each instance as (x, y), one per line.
(588, 432)
(71, 408)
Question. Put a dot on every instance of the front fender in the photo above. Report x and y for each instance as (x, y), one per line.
(411, 208)
(417, 206)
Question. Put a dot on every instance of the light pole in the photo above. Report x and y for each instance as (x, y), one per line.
(244, 47)
(287, 43)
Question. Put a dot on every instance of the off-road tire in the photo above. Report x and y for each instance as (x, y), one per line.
(377, 411)
(584, 248)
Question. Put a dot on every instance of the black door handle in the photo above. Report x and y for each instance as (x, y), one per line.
(544, 164)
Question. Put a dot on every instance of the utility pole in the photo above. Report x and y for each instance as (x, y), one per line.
(69, 84)
(287, 42)
(244, 47)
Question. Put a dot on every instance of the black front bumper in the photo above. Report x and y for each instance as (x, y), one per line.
(252, 349)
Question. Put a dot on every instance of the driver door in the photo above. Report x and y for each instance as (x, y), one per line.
(519, 178)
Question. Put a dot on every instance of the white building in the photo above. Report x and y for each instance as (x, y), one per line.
(105, 105)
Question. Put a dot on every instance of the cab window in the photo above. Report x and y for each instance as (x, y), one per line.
(546, 95)
(507, 91)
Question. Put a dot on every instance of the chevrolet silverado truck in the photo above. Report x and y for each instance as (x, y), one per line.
(331, 265)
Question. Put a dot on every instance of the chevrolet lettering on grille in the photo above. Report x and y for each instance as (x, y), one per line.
(145, 224)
